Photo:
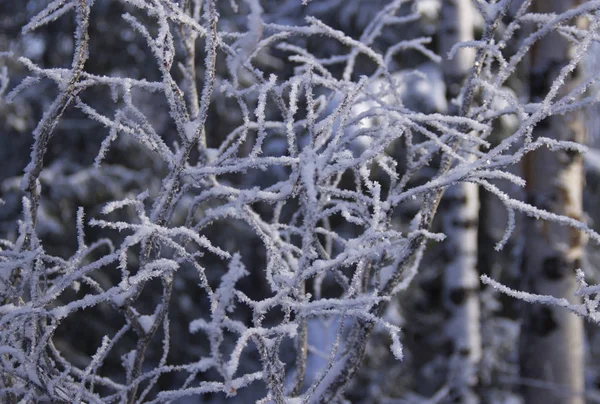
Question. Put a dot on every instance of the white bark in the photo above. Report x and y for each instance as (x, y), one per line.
(552, 338)
(460, 220)
(461, 283)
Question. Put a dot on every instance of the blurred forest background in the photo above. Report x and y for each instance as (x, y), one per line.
(460, 337)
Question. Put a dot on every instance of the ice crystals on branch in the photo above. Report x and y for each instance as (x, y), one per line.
(318, 162)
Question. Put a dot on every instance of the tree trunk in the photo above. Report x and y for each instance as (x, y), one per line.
(551, 351)
(460, 218)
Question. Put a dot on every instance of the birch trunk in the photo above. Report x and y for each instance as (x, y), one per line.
(460, 219)
(551, 351)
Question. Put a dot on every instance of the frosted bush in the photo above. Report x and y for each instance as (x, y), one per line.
(322, 155)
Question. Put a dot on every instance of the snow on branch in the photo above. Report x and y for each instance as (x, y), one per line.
(253, 176)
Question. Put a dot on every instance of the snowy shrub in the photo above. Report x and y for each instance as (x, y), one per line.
(268, 184)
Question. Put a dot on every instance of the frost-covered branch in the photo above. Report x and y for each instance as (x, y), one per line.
(262, 172)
